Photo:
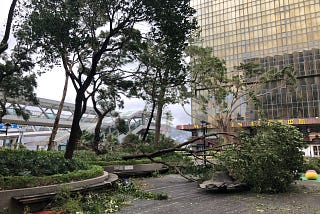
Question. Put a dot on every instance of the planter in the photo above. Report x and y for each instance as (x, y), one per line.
(16, 199)
(136, 169)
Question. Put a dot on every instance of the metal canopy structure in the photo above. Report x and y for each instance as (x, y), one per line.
(43, 115)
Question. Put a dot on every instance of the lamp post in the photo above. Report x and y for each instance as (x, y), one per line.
(204, 129)
(7, 125)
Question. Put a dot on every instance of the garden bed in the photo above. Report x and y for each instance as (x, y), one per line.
(16, 182)
(16, 207)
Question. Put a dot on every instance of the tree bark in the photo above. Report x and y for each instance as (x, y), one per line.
(158, 117)
(3, 110)
(158, 124)
(4, 42)
(75, 133)
(97, 138)
(57, 119)
(81, 105)
(145, 134)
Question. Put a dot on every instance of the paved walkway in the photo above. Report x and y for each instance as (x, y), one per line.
(187, 198)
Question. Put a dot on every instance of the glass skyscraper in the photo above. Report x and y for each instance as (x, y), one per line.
(274, 33)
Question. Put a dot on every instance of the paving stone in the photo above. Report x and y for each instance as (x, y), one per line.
(187, 198)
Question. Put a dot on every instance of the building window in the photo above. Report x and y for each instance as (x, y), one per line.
(316, 151)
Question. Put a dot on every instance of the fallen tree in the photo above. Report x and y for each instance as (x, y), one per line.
(179, 147)
(197, 155)
(268, 161)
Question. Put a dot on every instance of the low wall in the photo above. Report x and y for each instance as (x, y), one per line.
(136, 169)
(6, 195)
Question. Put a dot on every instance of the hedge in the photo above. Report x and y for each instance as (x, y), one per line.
(36, 163)
(17, 182)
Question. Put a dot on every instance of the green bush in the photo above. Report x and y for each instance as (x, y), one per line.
(36, 163)
(133, 145)
(86, 155)
(311, 163)
(16, 182)
(164, 142)
(269, 160)
(90, 156)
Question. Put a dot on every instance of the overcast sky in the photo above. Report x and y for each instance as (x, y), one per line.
(50, 84)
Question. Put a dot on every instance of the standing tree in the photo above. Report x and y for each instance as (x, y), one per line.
(103, 104)
(165, 73)
(163, 58)
(220, 95)
(58, 115)
(89, 31)
(105, 100)
(111, 82)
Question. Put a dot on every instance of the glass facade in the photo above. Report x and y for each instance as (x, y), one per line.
(275, 33)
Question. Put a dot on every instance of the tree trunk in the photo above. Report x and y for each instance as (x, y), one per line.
(3, 110)
(149, 122)
(4, 42)
(158, 123)
(225, 126)
(75, 133)
(97, 138)
(57, 119)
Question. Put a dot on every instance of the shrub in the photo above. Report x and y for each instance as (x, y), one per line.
(134, 145)
(311, 163)
(267, 161)
(91, 157)
(131, 143)
(86, 155)
(36, 163)
(16, 182)
(164, 143)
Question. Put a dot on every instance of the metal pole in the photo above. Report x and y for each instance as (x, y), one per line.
(7, 125)
(204, 127)
(20, 137)
(204, 144)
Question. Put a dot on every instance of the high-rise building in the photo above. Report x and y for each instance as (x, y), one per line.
(275, 33)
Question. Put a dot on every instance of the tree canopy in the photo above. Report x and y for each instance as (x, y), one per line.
(84, 35)
(17, 81)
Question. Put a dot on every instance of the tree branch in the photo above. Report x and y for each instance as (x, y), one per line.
(173, 149)
(4, 42)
